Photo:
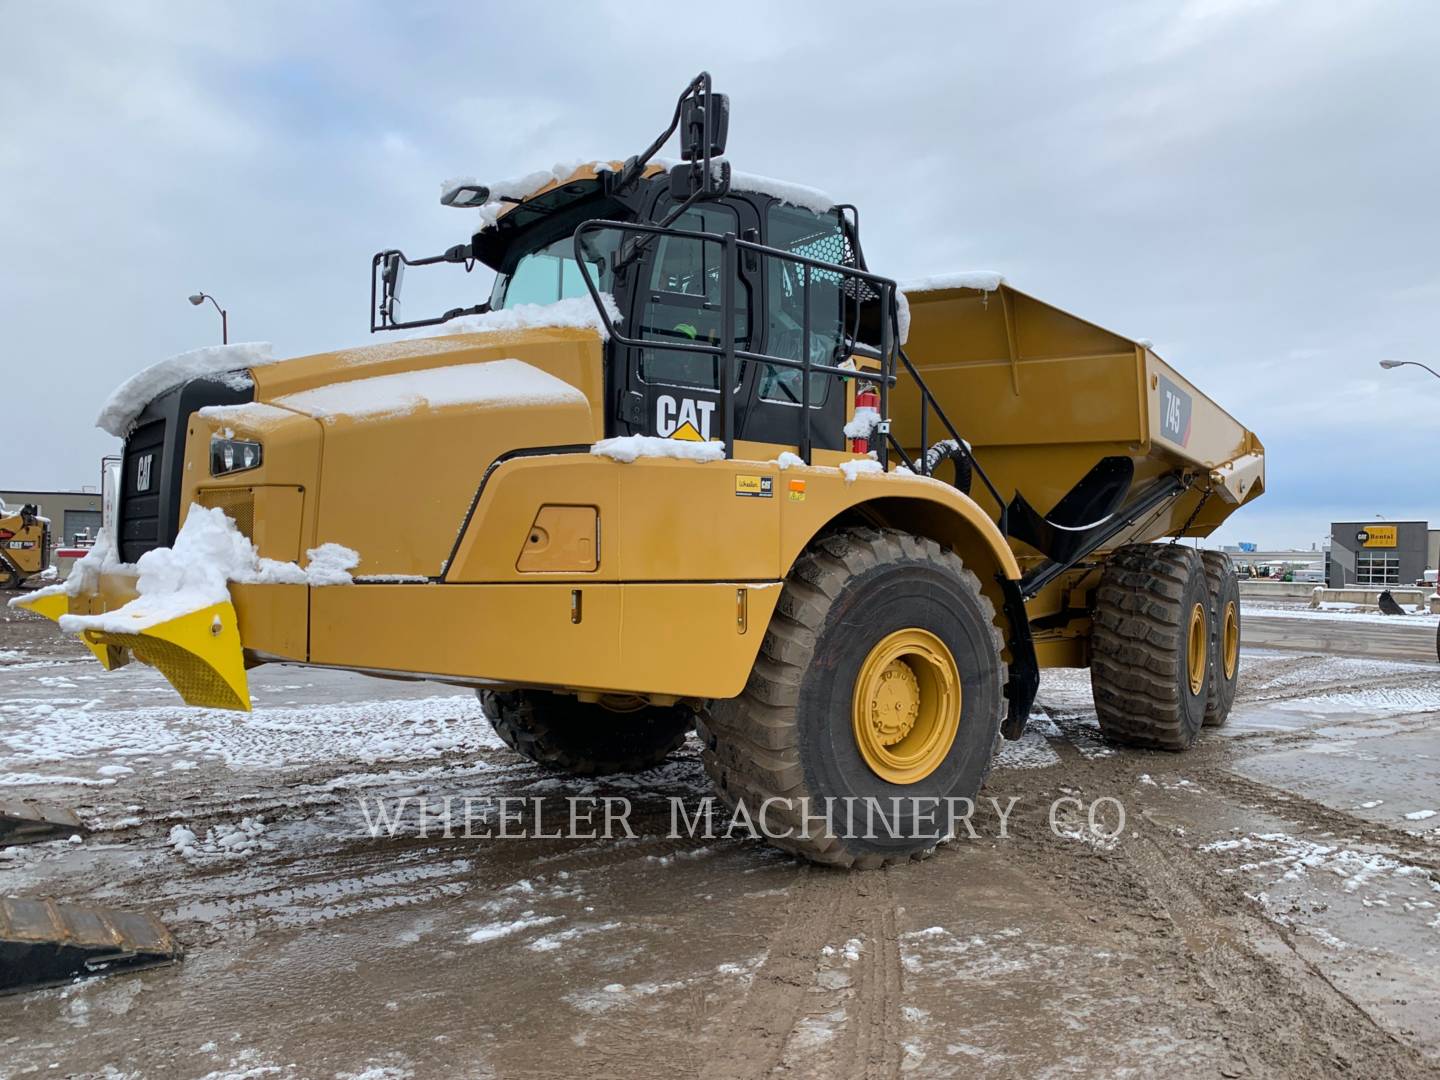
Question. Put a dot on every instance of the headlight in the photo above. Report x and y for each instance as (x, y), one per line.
(233, 455)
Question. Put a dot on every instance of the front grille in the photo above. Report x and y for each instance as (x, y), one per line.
(153, 465)
(141, 475)
(238, 504)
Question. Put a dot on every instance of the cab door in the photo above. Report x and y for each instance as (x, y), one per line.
(772, 394)
(677, 299)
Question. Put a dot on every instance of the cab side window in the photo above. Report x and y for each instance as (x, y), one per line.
(813, 236)
(683, 293)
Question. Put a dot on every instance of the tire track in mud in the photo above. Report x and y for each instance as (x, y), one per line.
(879, 991)
(1231, 978)
(762, 1031)
(1277, 1014)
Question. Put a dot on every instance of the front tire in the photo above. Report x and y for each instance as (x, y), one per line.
(1150, 646)
(585, 738)
(880, 677)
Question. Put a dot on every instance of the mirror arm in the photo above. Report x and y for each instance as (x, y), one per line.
(633, 167)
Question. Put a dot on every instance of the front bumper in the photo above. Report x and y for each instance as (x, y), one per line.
(199, 652)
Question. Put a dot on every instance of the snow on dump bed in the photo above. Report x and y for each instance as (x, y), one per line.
(208, 554)
(628, 448)
(984, 280)
(577, 313)
(493, 382)
(223, 362)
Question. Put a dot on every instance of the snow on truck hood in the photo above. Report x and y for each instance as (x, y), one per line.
(227, 363)
(492, 382)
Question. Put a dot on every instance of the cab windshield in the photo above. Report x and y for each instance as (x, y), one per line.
(551, 273)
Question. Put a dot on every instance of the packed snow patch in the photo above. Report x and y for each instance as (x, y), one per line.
(255, 416)
(208, 553)
(1420, 815)
(866, 421)
(233, 840)
(224, 363)
(494, 382)
(628, 448)
(492, 931)
(575, 313)
(860, 467)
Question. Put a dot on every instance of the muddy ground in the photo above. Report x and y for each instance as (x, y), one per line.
(1271, 907)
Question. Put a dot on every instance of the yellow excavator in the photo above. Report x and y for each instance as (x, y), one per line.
(694, 465)
(24, 544)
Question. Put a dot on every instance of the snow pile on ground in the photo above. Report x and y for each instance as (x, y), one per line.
(1337, 613)
(221, 840)
(222, 362)
(495, 382)
(59, 740)
(860, 467)
(628, 448)
(495, 930)
(575, 313)
(208, 553)
(1291, 858)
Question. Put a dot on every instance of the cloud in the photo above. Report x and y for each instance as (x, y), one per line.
(1250, 186)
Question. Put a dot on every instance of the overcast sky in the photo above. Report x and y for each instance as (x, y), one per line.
(1251, 186)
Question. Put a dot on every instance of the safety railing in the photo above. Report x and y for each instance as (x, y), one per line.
(729, 353)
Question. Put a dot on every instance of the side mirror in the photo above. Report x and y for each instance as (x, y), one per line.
(687, 179)
(465, 196)
(697, 113)
(392, 276)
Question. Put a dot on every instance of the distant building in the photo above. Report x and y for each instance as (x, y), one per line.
(72, 514)
(1378, 553)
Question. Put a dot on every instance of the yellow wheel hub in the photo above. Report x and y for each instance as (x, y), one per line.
(1231, 640)
(906, 706)
(1198, 649)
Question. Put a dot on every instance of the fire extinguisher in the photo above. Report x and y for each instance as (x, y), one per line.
(867, 399)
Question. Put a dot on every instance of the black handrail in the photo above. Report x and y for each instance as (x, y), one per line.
(728, 354)
(731, 246)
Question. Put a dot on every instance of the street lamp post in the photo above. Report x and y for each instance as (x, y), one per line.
(199, 298)
(1409, 363)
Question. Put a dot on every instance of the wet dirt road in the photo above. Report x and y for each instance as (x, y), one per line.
(1270, 908)
(1400, 638)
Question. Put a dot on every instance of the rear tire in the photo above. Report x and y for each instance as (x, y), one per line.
(880, 677)
(1224, 592)
(585, 738)
(1150, 666)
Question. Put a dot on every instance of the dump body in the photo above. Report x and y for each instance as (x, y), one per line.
(1043, 395)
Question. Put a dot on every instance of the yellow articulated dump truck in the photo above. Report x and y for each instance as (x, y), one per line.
(693, 466)
(24, 544)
